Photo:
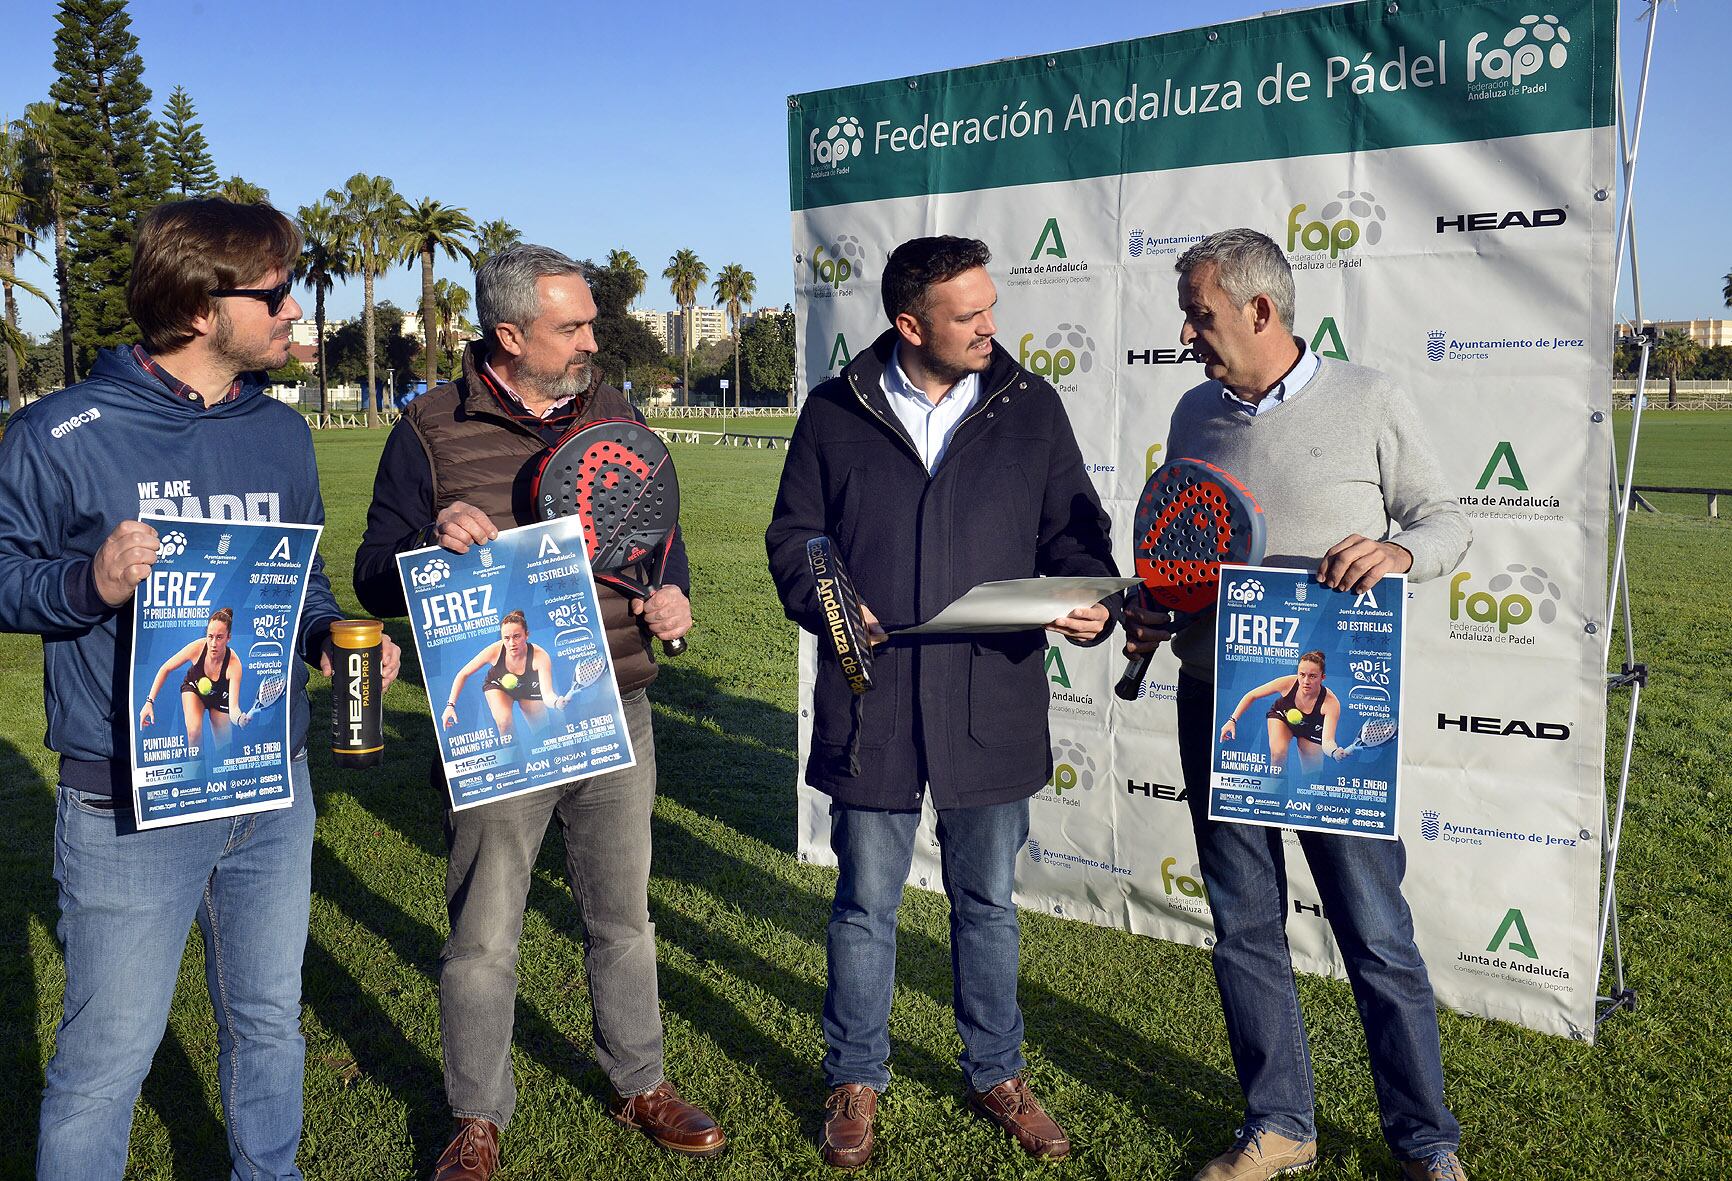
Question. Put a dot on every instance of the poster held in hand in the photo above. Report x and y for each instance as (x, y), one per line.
(499, 630)
(1308, 692)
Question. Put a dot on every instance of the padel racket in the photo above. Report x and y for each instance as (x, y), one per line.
(616, 476)
(844, 622)
(1370, 734)
(584, 673)
(270, 689)
(1191, 517)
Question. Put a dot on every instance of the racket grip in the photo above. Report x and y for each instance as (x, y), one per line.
(674, 647)
(1131, 684)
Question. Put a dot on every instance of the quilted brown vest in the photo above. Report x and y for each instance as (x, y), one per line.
(482, 456)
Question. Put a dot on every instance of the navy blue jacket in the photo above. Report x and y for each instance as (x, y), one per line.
(77, 463)
(1010, 499)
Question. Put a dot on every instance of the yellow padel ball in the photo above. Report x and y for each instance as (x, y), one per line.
(204, 685)
(508, 682)
(1294, 717)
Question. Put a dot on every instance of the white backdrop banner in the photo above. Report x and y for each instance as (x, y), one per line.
(1439, 173)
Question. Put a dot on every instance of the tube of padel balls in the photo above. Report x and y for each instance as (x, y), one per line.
(357, 705)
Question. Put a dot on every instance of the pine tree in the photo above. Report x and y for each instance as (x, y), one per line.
(104, 135)
(183, 156)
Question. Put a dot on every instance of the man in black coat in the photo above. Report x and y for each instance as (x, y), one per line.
(934, 463)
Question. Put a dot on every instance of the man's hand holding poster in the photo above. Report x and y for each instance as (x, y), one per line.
(214, 627)
(514, 654)
(1307, 703)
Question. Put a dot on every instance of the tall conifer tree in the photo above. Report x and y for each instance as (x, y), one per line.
(183, 155)
(104, 137)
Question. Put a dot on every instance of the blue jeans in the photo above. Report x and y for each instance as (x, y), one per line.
(978, 848)
(605, 823)
(1359, 885)
(126, 900)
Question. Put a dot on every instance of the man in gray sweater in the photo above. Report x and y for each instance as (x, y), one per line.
(1334, 453)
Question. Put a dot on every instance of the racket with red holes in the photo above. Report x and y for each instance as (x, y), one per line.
(1191, 518)
(616, 476)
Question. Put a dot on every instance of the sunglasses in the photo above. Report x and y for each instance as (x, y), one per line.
(273, 296)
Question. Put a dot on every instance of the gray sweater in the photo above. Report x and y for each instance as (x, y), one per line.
(1347, 454)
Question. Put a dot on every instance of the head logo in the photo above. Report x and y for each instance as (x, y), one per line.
(1502, 457)
(1428, 824)
(1055, 669)
(1331, 231)
(172, 545)
(1069, 349)
(1436, 345)
(1512, 935)
(1071, 768)
(834, 263)
(842, 141)
(1188, 887)
(1537, 42)
(430, 573)
(1248, 592)
(1050, 242)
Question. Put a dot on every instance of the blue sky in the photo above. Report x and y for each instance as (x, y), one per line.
(660, 126)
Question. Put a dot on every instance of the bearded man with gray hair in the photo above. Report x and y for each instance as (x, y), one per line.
(1334, 453)
(454, 473)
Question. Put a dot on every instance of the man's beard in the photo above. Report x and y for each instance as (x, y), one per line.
(568, 381)
(223, 345)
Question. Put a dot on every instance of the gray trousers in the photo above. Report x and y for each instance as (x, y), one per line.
(605, 821)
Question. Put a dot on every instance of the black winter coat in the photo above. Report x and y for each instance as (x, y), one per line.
(1010, 499)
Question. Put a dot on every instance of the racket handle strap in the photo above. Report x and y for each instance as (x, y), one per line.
(1130, 685)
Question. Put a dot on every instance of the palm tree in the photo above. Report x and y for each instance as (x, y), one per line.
(453, 302)
(49, 207)
(1674, 352)
(241, 192)
(16, 239)
(685, 273)
(325, 258)
(426, 229)
(1726, 291)
(369, 210)
(625, 263)
(493, 236)
(735, 286)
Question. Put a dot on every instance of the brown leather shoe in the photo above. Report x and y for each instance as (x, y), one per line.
(848, 1128)
(472, 1155)
(670, 1121)
(1013, 1107)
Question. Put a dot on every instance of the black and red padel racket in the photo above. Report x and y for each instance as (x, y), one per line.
(615, 475)
(1191, 518)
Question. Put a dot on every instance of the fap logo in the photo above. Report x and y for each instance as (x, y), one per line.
(832, 264)
(1072, 768)
(1068, 349)
(430, 573)
(1536, 43)
(843, 141)
(1247, 593)
(1185, 891)
(1498, 613)
(172, 545)
(1340, 225)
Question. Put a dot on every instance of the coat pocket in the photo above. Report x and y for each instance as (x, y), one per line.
(1007, 694)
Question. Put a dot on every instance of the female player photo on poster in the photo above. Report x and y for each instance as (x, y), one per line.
(515, 660)
(214, 627)
(1307, 703)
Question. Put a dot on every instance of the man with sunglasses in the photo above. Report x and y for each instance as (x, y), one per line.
(178, 425)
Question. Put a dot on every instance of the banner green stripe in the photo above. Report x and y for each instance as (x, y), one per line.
(1350, 78)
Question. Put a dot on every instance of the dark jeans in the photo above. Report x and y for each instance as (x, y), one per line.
(978, 848)
(605, 821)
(1359, 884)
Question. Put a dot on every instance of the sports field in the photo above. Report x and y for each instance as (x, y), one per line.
(1124, 1033)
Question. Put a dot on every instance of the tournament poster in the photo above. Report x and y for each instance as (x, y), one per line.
(514, 656)
(1307, 703)
(214, 627)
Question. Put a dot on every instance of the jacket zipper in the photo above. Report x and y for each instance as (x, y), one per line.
(972, 414)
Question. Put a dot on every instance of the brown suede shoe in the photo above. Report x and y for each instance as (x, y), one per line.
(848, 1128)
(472, 1155)
(1013, 1107)
(670, 1121)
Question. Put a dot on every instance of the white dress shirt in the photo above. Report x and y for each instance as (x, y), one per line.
(930, 426)
(1297, 378)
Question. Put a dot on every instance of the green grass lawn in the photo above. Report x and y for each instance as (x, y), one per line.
(1124, 1033)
